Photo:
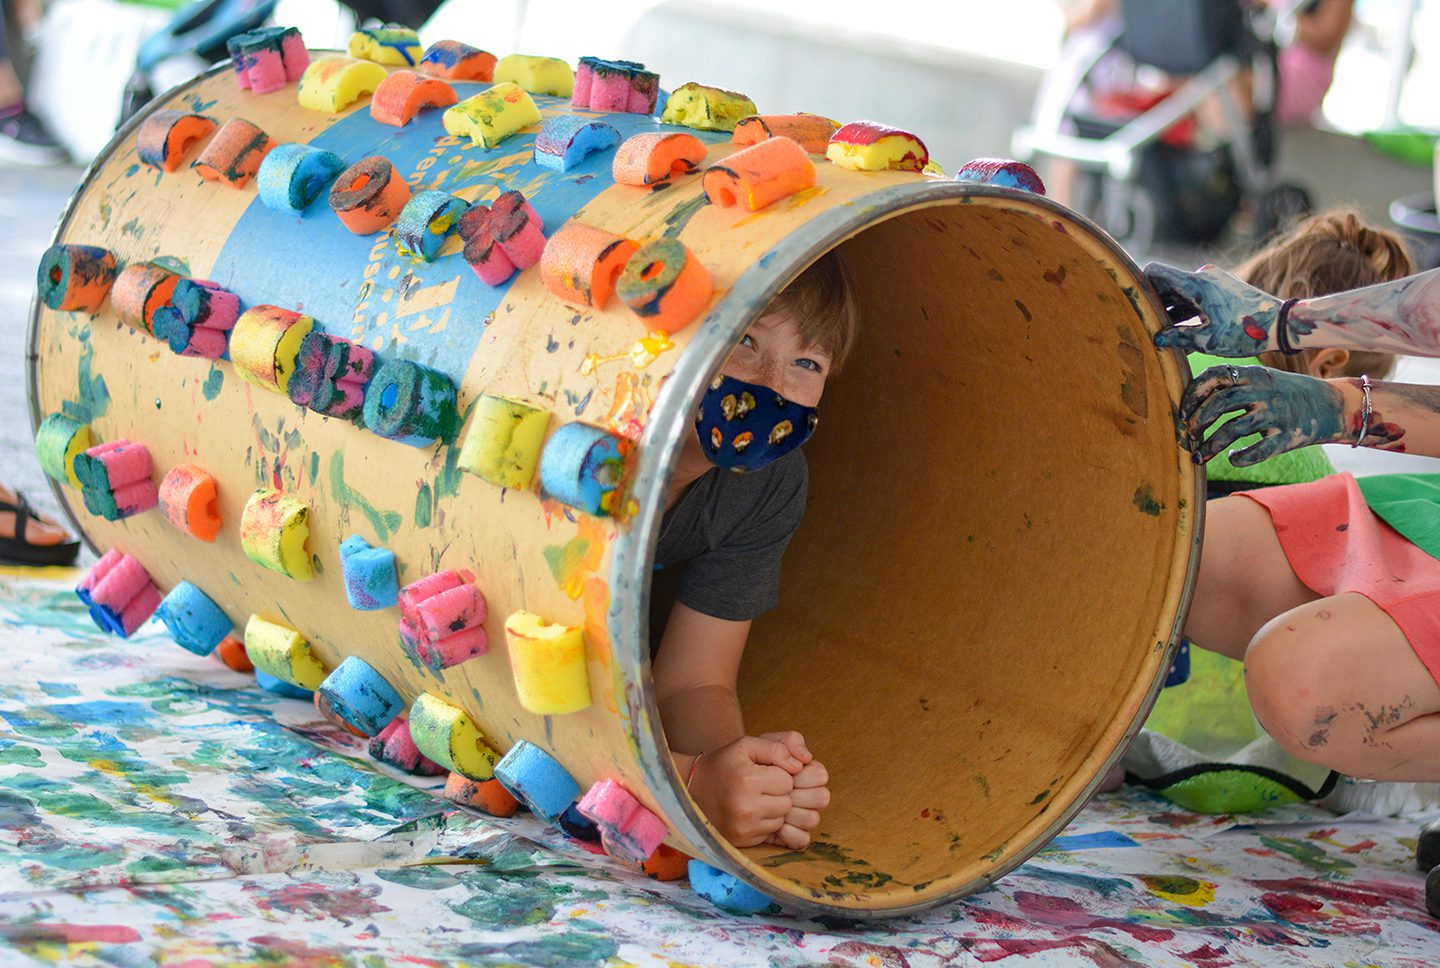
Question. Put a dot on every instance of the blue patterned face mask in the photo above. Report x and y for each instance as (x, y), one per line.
(743, 426)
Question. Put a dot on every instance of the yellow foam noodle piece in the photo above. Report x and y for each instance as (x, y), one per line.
(264, 344)
(504, 441)
(392, 44)
(548, 662)
(898, 150)
(274, 528)
(332, 84)
(446, 734)
(706, 108)
(538, 75)
(493, 115)
(283, 653)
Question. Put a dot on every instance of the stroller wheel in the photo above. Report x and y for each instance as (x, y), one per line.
(1127, 212)
(1280, 206)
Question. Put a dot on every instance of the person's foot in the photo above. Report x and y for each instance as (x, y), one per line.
(25, 140)
(38, 530)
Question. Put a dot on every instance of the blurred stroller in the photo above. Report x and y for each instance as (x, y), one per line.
(1146, 173)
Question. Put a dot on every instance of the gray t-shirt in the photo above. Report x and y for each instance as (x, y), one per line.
(725, 538)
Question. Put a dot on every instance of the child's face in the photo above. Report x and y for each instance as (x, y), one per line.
(772, 354)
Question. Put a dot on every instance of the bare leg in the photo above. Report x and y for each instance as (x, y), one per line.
(1335, 681)
(1245, 579)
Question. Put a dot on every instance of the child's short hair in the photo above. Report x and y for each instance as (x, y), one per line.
(1331, 252)
(822, 302)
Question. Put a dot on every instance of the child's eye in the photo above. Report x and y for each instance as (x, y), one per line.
(809, 364)
(747, 341)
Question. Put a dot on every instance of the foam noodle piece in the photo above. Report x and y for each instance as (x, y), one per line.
(548, 662)
(233, 156)
(327, 712)
(166, 137)
(622, 86)
(538, 75)
(273, 530)
(537, 780)
(426, 221)
(371, 582)
(119, 594)
(404, 94)
(280, 687)
(188, 501)
(442, 619)
(493, 115)
(75, 278)
(197, 319)
(268, 58)
(293, 176)
(487, 796)
(583, 466)
(195, 622)
(763, 173)
(706, 108)
(516, 225)
(655, 158)
(361, 696)
(139, 289)
(871, 146)
(411, 403)
(231, 651)
(1003, 173)
(331, 375)
(280, 651)
(446, 734)
(455, 61)
(115, 479)
(483, 253)
(581, 829)
(504, 441)
(666, 864)
(332, 84)
(581, 263)
(627, 829)
(264, 344)
(811, 131)
(726, 891)
(58, 441)
(393, 746)
(393, 44)
(369, 195)
(568, 139)
(665, 285)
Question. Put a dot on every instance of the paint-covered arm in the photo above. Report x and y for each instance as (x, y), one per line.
(1290, 410)
(1214, 312)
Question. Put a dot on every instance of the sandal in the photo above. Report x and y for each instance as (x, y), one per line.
(18, 551)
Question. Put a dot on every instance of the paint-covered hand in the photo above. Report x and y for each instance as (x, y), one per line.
(744, 788)
(810, 796)
(1288, 410)
(1213, 312)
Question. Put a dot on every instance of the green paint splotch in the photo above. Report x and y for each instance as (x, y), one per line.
(424, 504)
(213, 382)
(1146, 501)
(92, 396)
(385, 523)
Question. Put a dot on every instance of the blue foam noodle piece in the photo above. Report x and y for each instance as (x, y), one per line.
(280, 687)
(195, 622)
(412, 404)
(726, 891)
(426, 221)
(371, 582)
(583, 466)
(362, 696)
(292, 176)
(536, 779)
(567, 139)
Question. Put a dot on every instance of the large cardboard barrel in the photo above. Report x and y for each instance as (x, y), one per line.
(1000, 535)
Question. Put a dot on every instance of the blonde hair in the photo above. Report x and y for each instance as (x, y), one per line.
(821, 301)
(1331, 252)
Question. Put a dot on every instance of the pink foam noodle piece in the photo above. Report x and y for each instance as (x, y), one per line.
(125, 579)
(605, 85)
(443, 619)
(431, 585)
(517, 227)
(141, 607)
(124, 462)
(295, 54)
(394, 745)
(206, 343)
(628, 830)
(119, 593)
(483, 253)
(99, 570)
(446, 652)
(134, 498)
(266, 71)
(451, 611)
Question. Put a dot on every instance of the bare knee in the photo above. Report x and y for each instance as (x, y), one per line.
(1293, 699)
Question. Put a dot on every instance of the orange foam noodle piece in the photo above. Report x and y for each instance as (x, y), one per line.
(165, 137)
(187, 499)
(666, 864)
(455, 61)
(404, 94)
(649, 159)
(231, 651)
(754, 177)
(369, 195)
(665, 285)
(233, 156)
(871, 146)
(581, 263)
(487, 796)
(811, 131)
(139, 289)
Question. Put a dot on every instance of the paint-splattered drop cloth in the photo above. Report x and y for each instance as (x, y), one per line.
(1335, 543)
